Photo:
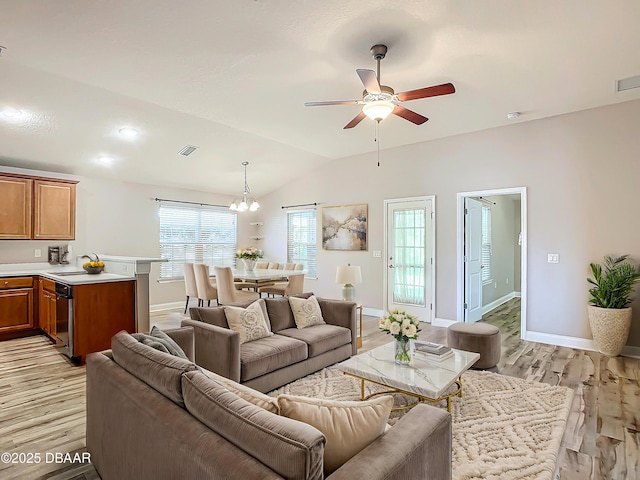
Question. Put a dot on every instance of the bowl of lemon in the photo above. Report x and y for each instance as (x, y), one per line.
(94, 265)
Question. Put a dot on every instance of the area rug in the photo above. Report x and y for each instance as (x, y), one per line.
(503, 427)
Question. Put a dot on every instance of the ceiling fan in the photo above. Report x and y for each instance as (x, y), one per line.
(378, 101)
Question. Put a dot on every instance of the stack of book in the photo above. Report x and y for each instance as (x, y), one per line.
(433, 351)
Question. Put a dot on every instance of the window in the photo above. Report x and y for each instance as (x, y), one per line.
(486, 245)
(301, 239)
(195, 233)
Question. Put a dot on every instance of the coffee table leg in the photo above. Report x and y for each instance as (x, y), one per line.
(362, 389)
(459, 382)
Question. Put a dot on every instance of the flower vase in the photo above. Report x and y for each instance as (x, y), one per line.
(403, 351)
(249, 264)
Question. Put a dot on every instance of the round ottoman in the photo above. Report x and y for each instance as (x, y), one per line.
(481, 338)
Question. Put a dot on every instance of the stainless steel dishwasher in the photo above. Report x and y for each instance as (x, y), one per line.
(64, 317)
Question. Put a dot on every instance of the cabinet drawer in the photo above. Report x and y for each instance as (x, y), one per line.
(16, 282)
(47, 284)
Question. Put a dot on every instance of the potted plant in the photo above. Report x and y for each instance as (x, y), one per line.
(609, 312)
(249, 255)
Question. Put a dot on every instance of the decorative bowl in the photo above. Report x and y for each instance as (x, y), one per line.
(93, 270)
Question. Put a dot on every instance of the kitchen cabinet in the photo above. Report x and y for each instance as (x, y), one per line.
(38, 208)
(16, 306)
(54, 210)
(47, 307)
(15, 218)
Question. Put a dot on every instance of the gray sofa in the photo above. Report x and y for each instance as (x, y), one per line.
(274, 361)
(151, 415)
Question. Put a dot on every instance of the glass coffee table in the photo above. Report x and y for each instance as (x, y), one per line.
(427, 380)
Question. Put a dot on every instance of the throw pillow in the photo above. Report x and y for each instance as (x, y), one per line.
(249, 394)
(348, 426)
(168, 342)
(306, 311)
(248, 322)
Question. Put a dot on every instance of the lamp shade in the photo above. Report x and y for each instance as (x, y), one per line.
(378, 109)
(349, 274)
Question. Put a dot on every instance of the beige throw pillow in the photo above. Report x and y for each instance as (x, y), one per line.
(306, 311)
(347, 425)
(248, 322)
(249, 394)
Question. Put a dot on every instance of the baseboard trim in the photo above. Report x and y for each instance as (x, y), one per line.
(372, 312)
(442, 322)
(517, 294)
(496, 303)
(576, 342)
(161, 307)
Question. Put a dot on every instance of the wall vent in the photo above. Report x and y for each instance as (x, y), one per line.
(188, 150)
(627, 83)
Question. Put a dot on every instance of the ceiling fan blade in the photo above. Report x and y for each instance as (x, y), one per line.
(338, 102)
(436, 90)
(369, 80)
(358, 118)
(410, 115)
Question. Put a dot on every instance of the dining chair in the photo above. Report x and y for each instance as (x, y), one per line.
(299, 266)
(294, 286)
(262, 265)
(207, 289)
(190, 284)
(289, 266)
(273, 265)
(227, 292)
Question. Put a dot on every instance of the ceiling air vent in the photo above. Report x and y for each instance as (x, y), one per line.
(627, 83)
(188, 150)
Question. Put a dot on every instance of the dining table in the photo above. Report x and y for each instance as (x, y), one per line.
(261, 275)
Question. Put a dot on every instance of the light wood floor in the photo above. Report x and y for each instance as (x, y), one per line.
(42, 400)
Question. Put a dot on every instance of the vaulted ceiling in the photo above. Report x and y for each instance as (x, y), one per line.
(231, 77)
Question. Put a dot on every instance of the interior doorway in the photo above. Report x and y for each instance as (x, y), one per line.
(410, 256)
(492, 257)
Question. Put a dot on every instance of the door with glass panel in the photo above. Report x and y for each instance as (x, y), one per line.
(410, 256)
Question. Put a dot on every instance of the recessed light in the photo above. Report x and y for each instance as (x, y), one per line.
(10, 112)
(128, 132)
(513, 115)
(105, 160)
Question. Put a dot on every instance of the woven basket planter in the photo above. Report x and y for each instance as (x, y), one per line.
(610, 328)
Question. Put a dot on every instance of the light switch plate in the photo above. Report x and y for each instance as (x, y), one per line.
(553, 258)
(377, 253)
(37, 253)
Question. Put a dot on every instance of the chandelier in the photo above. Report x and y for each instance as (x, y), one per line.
(246, 202)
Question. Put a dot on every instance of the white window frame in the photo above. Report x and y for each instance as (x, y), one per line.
(486, 245)
(296, 241)
(195, 233)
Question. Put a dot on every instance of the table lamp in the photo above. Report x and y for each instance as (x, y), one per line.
(348, 275)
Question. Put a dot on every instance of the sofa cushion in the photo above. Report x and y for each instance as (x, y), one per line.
(259, 399)
(291, 449)
(249, 322)
(306, 311)
(211, 315)
(269, 354)
(280, 314)
(320, 338)
(169, 343)
(348, 426)
(161, 371)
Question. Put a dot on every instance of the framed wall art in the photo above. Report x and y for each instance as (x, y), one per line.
(344, 227)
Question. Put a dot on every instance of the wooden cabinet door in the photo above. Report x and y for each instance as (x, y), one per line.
(43, 309)
(16, 307)
(55, 210)
(15, 213)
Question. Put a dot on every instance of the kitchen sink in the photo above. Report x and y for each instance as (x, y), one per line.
(66, 274)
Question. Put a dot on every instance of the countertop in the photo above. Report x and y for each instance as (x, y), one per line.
(51, 272)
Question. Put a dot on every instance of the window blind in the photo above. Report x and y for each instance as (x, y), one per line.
(486, 245)
(301, 239)
(197, 234)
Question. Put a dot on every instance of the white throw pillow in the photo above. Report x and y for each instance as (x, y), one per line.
(249, 394)
(306, 311)
(348, 426)
(248, 322)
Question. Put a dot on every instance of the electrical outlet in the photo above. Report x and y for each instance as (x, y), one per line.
(553, 258)
(377, 253)
(37, 253)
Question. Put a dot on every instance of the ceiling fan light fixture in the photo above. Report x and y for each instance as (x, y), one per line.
(378, 110)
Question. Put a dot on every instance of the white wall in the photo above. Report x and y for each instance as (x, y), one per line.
(581, 171)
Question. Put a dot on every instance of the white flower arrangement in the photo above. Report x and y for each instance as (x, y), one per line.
(401, 325)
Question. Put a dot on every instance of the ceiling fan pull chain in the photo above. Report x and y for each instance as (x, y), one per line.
(377, 139)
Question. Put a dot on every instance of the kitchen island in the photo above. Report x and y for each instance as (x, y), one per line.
(79, 312)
